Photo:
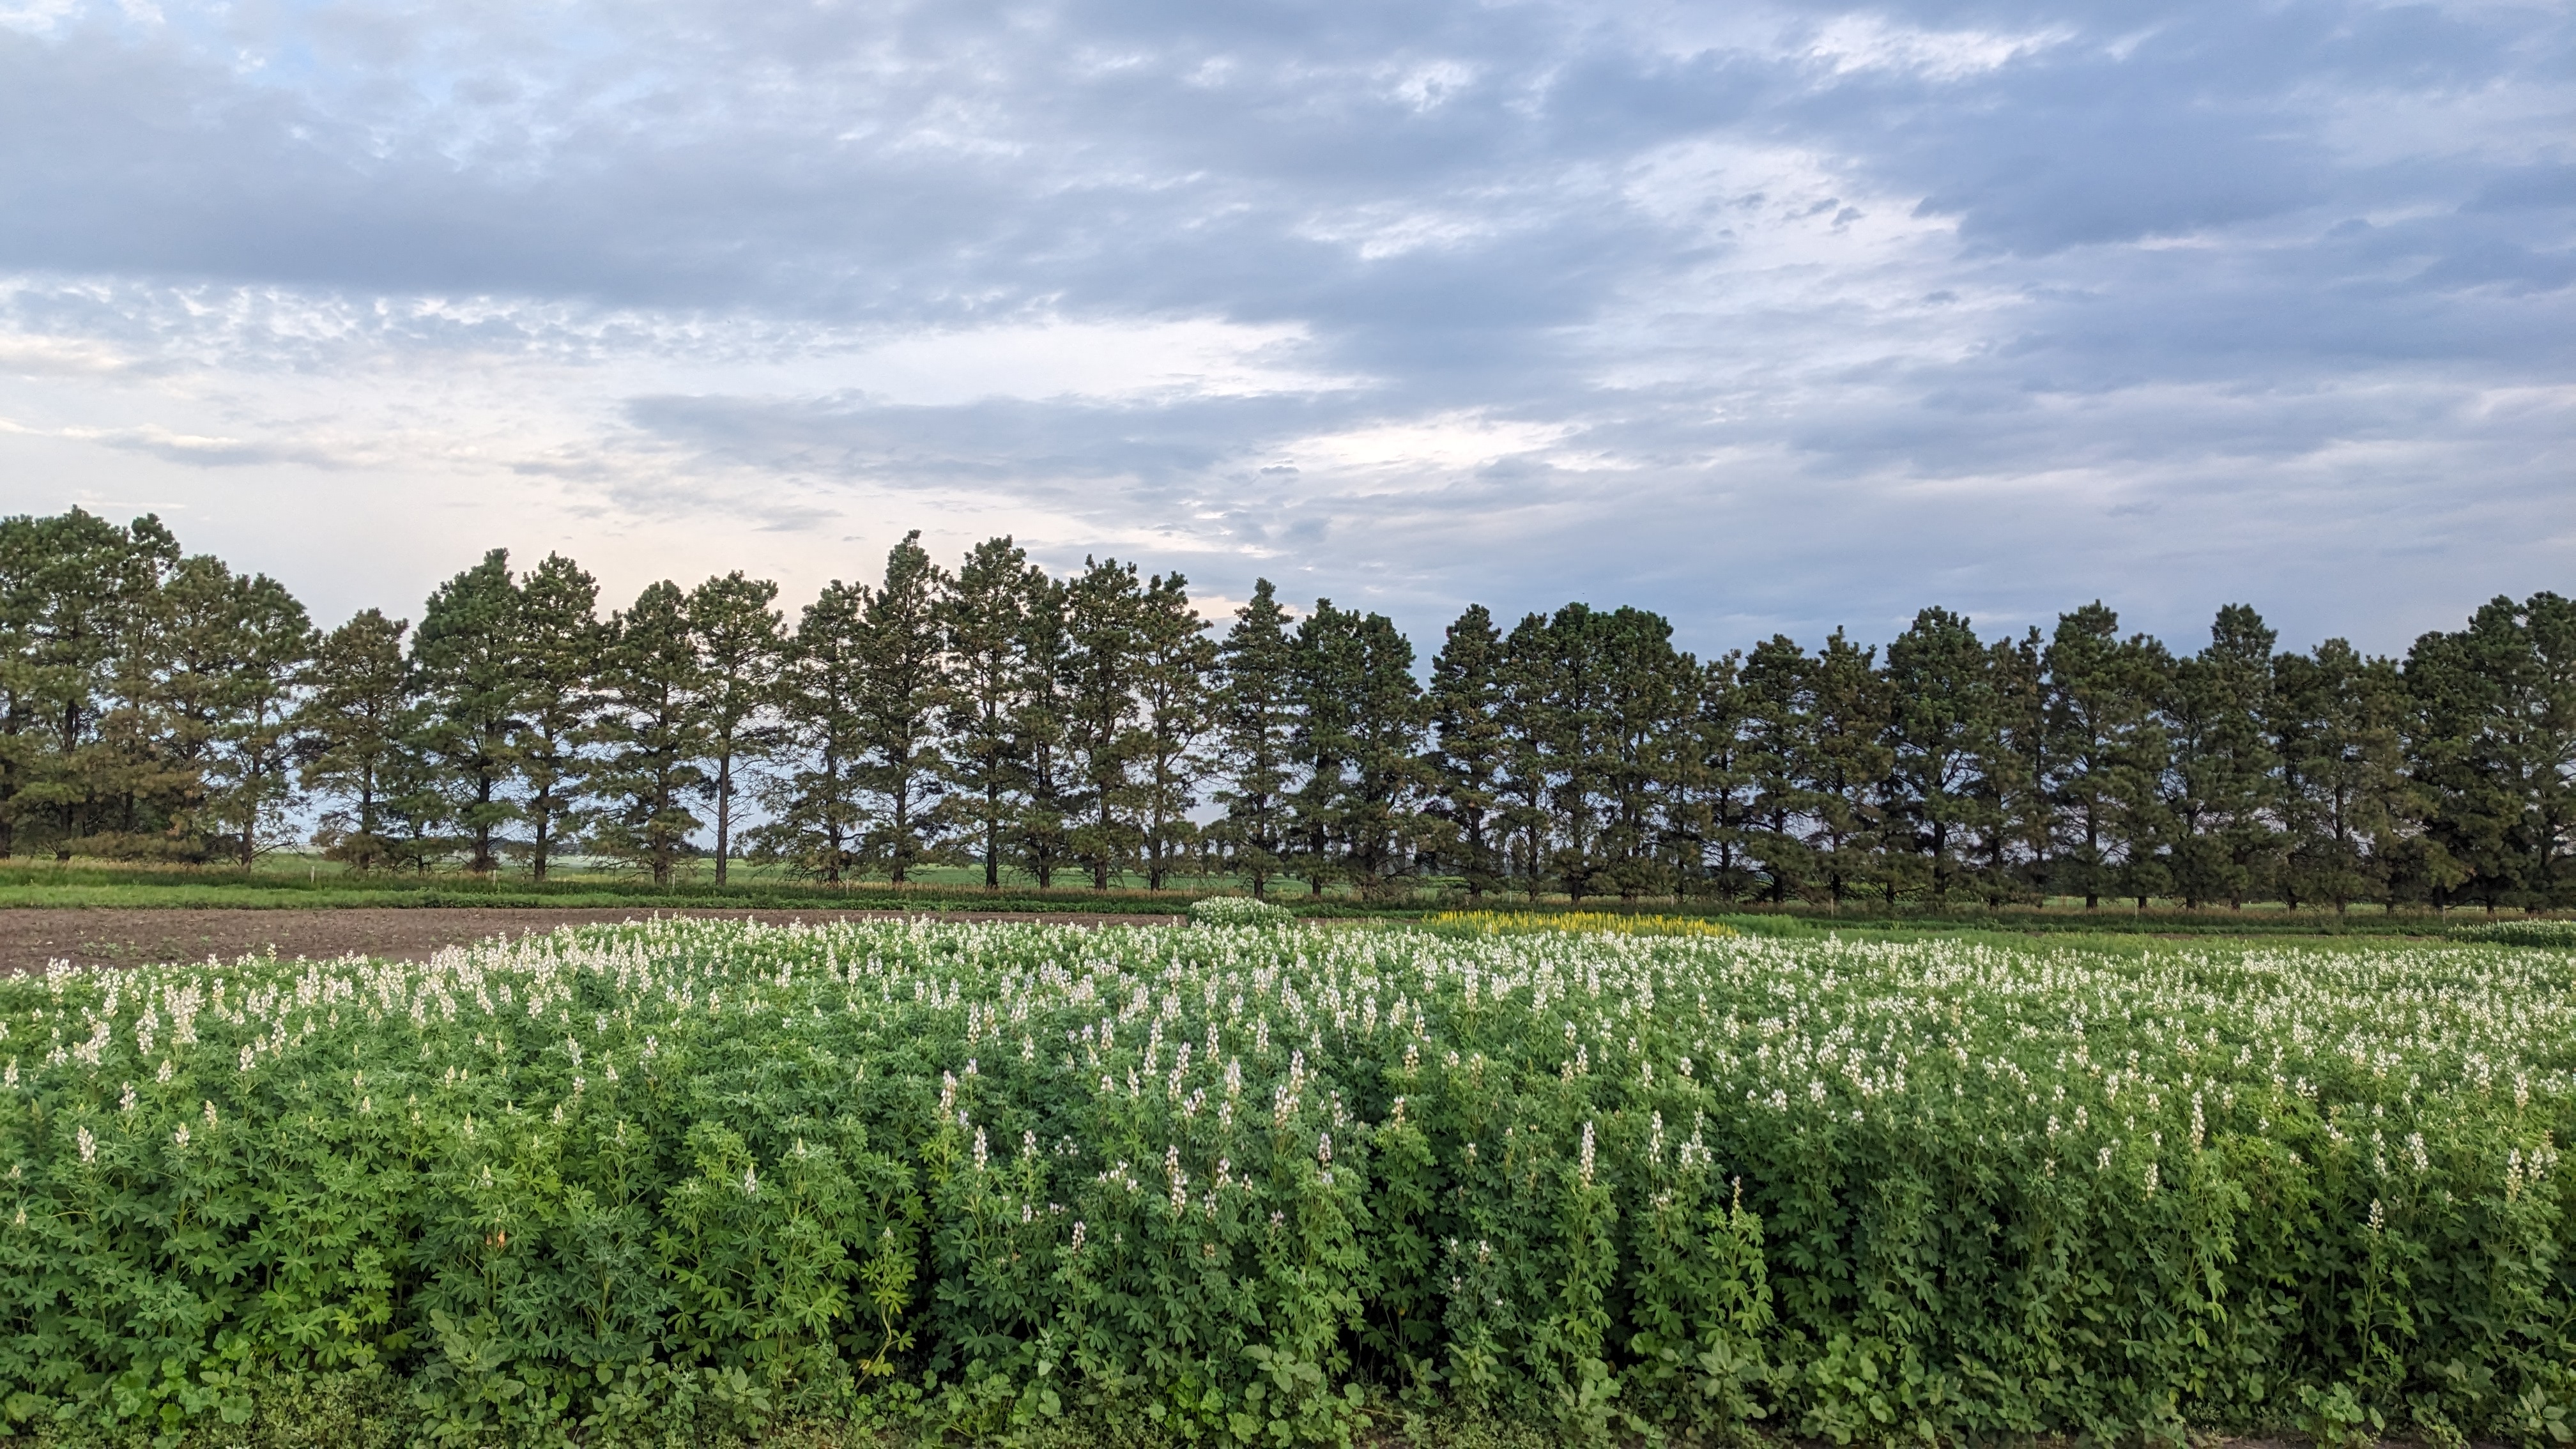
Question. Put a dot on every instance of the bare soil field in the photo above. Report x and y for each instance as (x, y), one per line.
(30, 938)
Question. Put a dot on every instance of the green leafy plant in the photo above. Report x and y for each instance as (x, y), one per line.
(688, 1180)
(2561, 934)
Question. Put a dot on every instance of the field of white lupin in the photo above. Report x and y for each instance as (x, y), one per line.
(1258, 1182)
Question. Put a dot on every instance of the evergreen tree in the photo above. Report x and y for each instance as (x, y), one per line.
(2494, 743)
(465, 658)
(986, 619)
(1329, 668)
(652, 731)
(2337, 723)
(1175, 660)
(356, 715)
(1524, 686)
(1042, 735)
(1255, 723)
(81, 596)
(1103, 627)
(1716, 785)
(1378, 817)
(739, 640)
(1572, 732)
(903, 689)
(1842, 764)
(817, 817)
(1943, 732)
(2224, 773)
(2017, 831)
(1647, 695)
(178, 679)
(1469, 749)
(1774, 697)
(2106, 753)
(252, 641)
(558, 648)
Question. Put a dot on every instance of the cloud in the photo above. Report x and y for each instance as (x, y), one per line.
(1764, 316)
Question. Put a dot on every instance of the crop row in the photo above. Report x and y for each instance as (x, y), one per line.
(1257, 1184)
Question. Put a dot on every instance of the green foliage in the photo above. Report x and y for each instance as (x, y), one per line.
(2560, 934)
(1256, 1186)
(653, 734)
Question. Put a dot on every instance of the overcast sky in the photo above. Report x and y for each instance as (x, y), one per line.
(1765, 317)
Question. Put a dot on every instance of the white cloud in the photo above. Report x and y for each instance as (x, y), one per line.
(1767, 316)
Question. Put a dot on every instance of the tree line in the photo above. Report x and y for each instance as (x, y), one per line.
(159, 705)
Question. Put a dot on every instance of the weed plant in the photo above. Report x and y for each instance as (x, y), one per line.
(694, 1179)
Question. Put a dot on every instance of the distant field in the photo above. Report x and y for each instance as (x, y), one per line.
(298, 883)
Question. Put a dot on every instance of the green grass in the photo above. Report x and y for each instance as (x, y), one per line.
(297, 882)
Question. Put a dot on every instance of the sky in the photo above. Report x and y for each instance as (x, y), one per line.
(1768, 318)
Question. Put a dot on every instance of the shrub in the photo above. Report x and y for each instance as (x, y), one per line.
(1239, 911)
(2520, 933)
(700, 1179)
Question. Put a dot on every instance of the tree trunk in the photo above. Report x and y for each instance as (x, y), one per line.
(724, 813)
(992, 838)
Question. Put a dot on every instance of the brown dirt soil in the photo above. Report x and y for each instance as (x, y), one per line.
(30, 938)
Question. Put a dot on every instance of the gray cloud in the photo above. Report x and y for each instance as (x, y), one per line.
(1767, 318)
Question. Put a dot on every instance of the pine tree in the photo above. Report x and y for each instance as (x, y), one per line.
(817, 817)
(1718, 813)
(81, 595)
(1777, 710)
(2337, 722)
(2106, 753)
(1524, 686)
(178, 697)
(1843, 763)
(356, 714)
(1175, 660)
(986, 618)
(1379, 817)
(1255, 714)
(265, 641)
(739, 640)
(1103, 608)
(1042, 736)
(465, 657)
(2224, 775)
(1647, 695)
(2016, 832)
(1329, 668)
(1468, 751)
(2494, 745)
(1943, 731)
(556, 656)
(903, 689)
(652, 732)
